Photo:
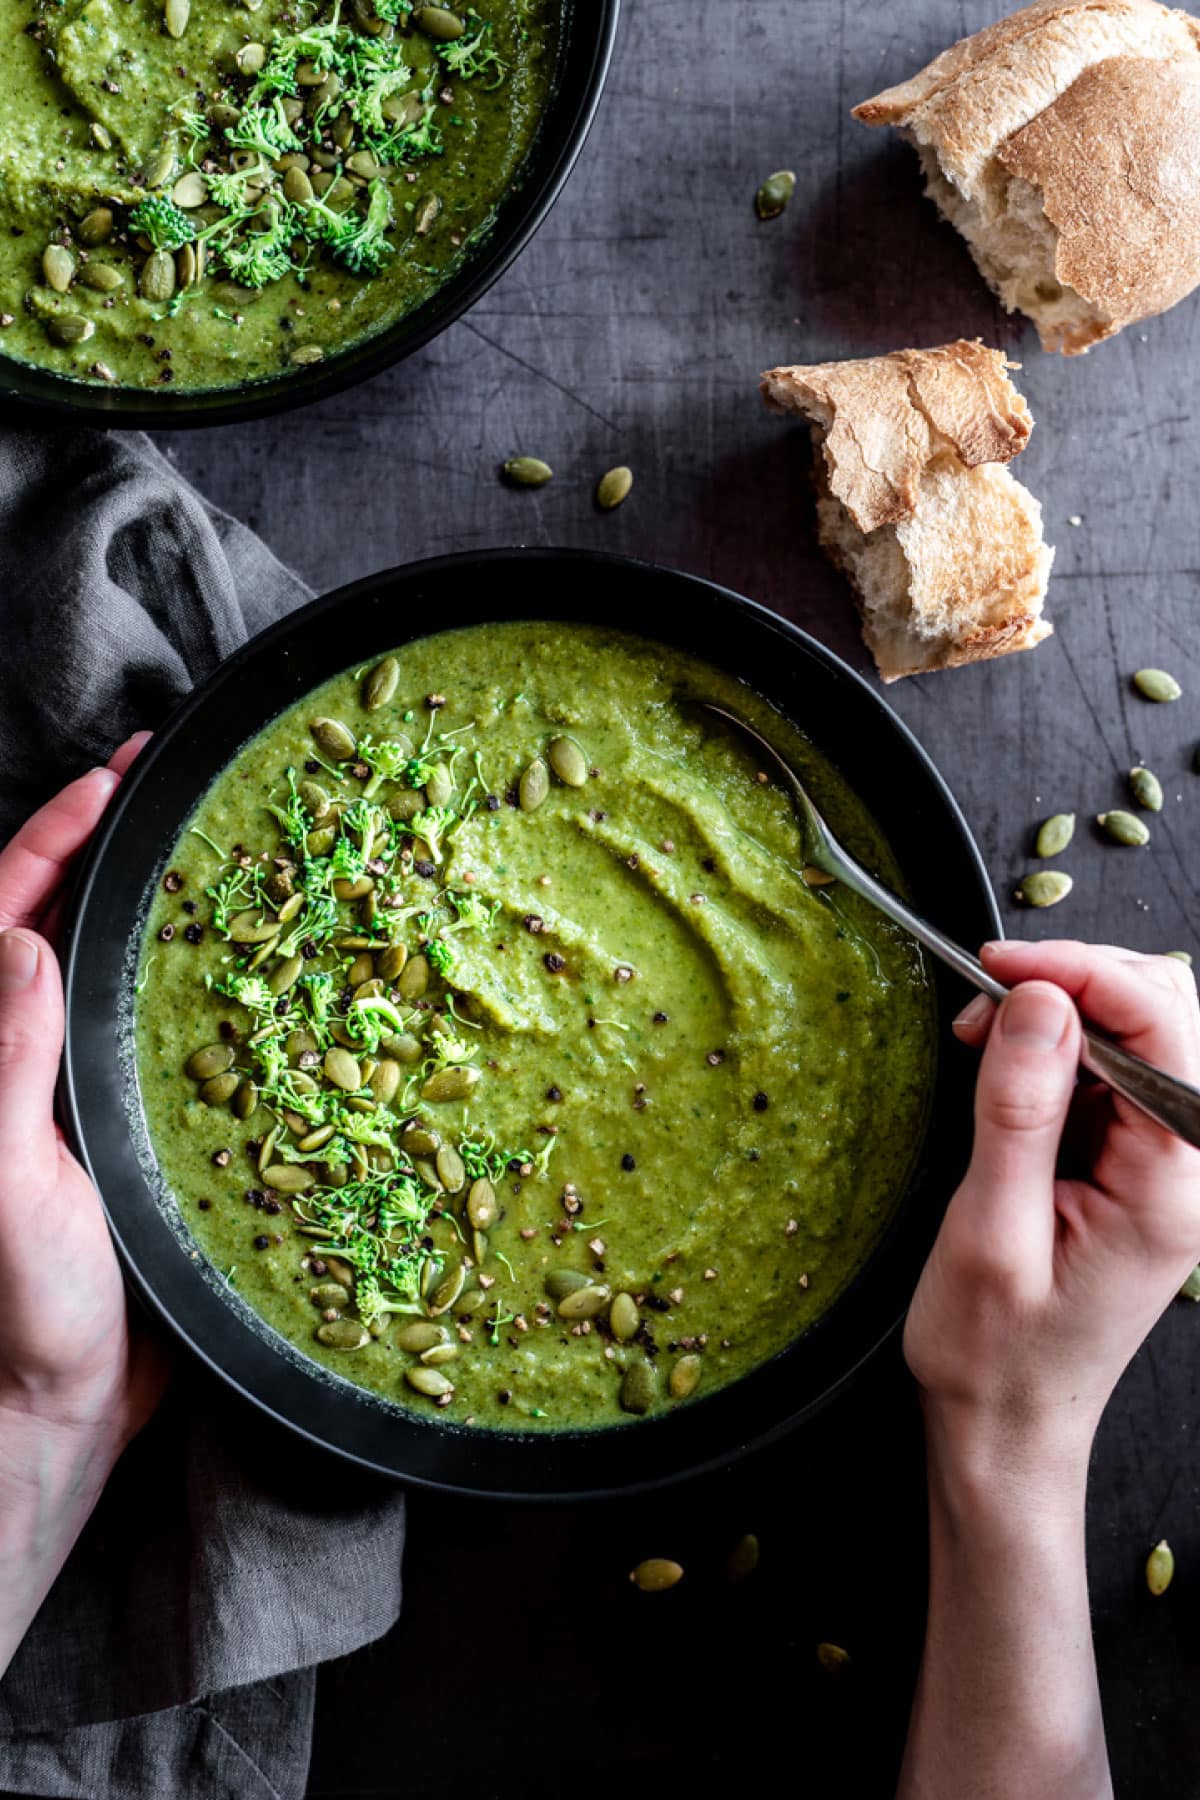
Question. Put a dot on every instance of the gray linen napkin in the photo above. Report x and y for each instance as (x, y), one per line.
(173, 1657)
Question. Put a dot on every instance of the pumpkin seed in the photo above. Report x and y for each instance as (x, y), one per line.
(439, 788)
(353, 890)
(321, 842)
(190, 190)
(313, 1140)
(331, 736)
(381, 684)
(568, 761)
(308, 75)
(1055, 834)
(251, 928)
(58, 266)
(330, 1293)
(69, 328)
(340, 1271)
(1124, 828)
(559, 1283)
(1045, 887)
(316, 801)
(1191, 1287)
(430, 1382)
(267, 1149)
(403, 109)
(159, 170)
(1146, 788)
(219, 1089)
(656, 1574)
(438, 22)
(385, 1080)
(1160, 1567)
(390, 962)
(439, 1354)
(585, 1303)
(176, 14)
(343, 1334)
(306, 354)
(470, 1302)
(404, 1048)
(250, 58)
(285, 974)
(342, 1069)
(213, 1059)
(364, 164)
(743, 1558)
(414, 977)
(624, 1318)
(535, 785)
(1183, 956)
(483, 1209)
(101, 135)
(775, 193)
(361, 969)
(527, 471)
(157, 279)
(685, 1377)
(418, 1140)
(637, 1389)
(102, 278)
(833, 1658)
(97, 227)
(452, 1172)
(288, 1178)
(421, 1335)
(480, 1246)
(297, 187)
(1156, 684)
(447, 1291)
(264, 951)
(450, 1084)
(245, 1099)
(405, 803)
(426, 216)
(613, 488)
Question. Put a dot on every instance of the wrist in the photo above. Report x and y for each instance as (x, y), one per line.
(988, 1472)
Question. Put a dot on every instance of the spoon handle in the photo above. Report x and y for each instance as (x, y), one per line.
(1168, 1101)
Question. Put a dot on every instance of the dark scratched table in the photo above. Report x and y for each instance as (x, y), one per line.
(633, 330)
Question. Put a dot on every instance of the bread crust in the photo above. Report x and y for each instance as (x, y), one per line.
(1117, 159)
(887, 418)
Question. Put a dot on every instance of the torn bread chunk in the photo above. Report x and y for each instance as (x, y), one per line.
(915, 504)
(1063, 143)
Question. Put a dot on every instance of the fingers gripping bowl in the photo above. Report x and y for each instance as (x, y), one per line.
(632, 1123)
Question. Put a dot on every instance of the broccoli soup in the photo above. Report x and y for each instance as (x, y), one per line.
(497, 1052)
(200, 194)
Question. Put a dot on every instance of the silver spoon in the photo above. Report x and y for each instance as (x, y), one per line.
(1168, 1101)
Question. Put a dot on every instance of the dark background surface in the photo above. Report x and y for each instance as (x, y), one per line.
(633, 330)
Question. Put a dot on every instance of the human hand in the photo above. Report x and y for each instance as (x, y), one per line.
(1078, 1219)
(70, 1368)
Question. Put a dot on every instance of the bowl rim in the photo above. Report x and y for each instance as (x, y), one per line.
(74, 1091)
(33, 394)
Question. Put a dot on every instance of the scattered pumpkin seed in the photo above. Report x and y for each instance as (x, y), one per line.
(1183, 956)
(331, 736)
(1045, 887)
(452, 1171)
(775, 193)
(743, 1558)
(483, 1209)
(656, 1574)
(102, 278)
(218, 1089)
(251, 927)
(833, 1658)
(1146, 788)
(1124, 828)
(1191, 1287)
(250, 58)
(430, 1382)
(427, 215)
(190, 190)
(97, 227)
(637, 1389)
(58, 266)
(420, 1336)
(447, 1291)
(161, 166)
(157, 279)
(558, 1283)
(342, 1069)
(381, 684)
(385, 1081)
(288, 1178)
(613, 488)
(1156, 684)
(285, 974)
(685, 1377)
(1055, 834)
(568, 761)
(343, 1334)
(414, 977)
(534, 786)
(69, 328)
(585, 1303)
(438, 22)
(439, 1354)
(245, 1099)
(527, 471)
(1160, 1567)
(213, 1059)
(330, 1293)
(175, 15)
(439, 789)
(624, 1317)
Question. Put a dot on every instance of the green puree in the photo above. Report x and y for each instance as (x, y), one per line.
(257, 190)
(688, 1078)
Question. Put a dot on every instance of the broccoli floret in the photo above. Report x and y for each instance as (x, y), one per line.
(357, 242)
(441, 956)
(165, 224)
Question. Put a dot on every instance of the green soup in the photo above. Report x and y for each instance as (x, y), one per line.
(494, 1048)
(201, 195)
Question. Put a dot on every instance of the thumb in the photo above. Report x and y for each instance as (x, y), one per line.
(31, 1030)
(1026, 1080)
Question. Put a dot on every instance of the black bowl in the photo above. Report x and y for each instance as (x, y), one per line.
(585, 49)
(882, 762)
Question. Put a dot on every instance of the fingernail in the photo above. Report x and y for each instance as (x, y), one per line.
(977, 1012)
(110, 779)
(1037, 1017)
(18, 960)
